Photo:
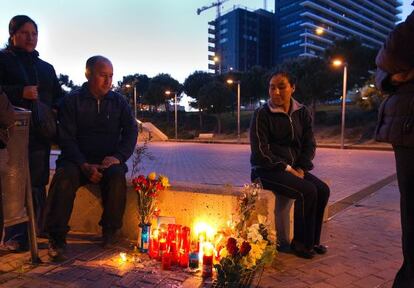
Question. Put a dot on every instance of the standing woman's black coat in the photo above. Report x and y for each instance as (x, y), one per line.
(395, 63)
(19, 68)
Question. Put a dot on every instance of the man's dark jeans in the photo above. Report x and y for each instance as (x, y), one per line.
(65, 183)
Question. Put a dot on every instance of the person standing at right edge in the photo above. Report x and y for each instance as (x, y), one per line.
(395, 76)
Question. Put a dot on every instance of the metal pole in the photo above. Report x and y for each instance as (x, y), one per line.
(175, 110)
(343, 107)
(135, 101)
(238, 111)
(34, 252)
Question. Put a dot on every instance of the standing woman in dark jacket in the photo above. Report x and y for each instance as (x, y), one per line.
(283, 146)
(395, 75)
(26, 78)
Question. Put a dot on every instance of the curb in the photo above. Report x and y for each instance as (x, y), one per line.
(380, 147)
(354, 198)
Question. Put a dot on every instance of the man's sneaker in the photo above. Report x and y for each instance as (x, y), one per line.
(56, 250)
(109, 239)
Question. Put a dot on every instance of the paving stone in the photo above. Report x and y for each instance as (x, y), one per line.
(323, 285)
(356, 258)
(93, 274)
(40, 270)
(370, 281)
(14, 283)
(6, 267)
(341, 280)
(82, 283)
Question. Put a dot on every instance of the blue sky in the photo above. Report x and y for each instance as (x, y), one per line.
(139, 36)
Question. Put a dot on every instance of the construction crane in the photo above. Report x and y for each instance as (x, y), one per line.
(217, 4)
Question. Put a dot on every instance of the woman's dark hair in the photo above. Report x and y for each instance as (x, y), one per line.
(291, 79)
(16, 23)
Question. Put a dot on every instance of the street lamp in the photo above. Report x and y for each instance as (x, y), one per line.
(216, 60)
(135, 98)
(168, 92)
(231, 81)
(339, 63)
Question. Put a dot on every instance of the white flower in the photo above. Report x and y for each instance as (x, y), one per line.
(253, 233)
(262, 219)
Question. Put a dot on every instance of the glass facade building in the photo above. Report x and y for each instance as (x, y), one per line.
(306, 28)
(241, 39)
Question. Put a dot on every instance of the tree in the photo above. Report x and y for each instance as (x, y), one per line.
(313, 80)
(192, 86)
(253, 85)
(140, 81)
(66, 84)
(155, 95)
(215, 98)
(370, 96)
(360, 59)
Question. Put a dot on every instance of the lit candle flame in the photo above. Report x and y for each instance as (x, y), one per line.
(123, 256)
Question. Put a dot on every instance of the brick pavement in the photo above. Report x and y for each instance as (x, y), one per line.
(364, 240)
(346, 171)
(364, 252)
(364, 249)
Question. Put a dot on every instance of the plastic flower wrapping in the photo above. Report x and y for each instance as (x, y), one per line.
(248, 243)
(148, 189)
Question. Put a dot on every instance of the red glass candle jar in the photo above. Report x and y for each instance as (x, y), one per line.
(166, 261)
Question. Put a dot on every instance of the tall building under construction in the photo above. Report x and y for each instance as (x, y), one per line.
(243, 38)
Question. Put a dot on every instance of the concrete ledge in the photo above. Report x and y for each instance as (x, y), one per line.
(205, 136)
(188, 203)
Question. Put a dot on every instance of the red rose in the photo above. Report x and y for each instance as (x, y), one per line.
(231, 246)
(245, 248)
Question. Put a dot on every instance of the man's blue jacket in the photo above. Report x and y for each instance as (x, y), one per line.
(91, 129)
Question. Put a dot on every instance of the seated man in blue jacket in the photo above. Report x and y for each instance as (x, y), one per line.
(97, 135)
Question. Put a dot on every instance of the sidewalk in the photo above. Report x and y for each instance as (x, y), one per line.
(364, 239)
(364, 252)
(364, 249)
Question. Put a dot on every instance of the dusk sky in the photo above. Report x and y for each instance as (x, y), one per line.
(139, 36)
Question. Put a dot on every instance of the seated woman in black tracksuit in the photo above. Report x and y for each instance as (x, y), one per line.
(282, 149)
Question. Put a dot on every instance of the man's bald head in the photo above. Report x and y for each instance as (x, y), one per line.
(99, 72)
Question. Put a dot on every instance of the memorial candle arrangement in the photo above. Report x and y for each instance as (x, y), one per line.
(170, 245)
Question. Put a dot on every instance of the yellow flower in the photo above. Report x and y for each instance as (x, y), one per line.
(152, 176)
(223, 253)
(164, 181)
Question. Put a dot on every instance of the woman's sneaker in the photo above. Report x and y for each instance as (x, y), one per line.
(15, 246)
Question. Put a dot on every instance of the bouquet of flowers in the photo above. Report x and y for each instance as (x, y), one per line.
(230, 268)
(251, 244)
(147, 189)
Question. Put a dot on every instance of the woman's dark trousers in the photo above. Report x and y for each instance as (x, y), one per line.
(311, 197)
(404, 157)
